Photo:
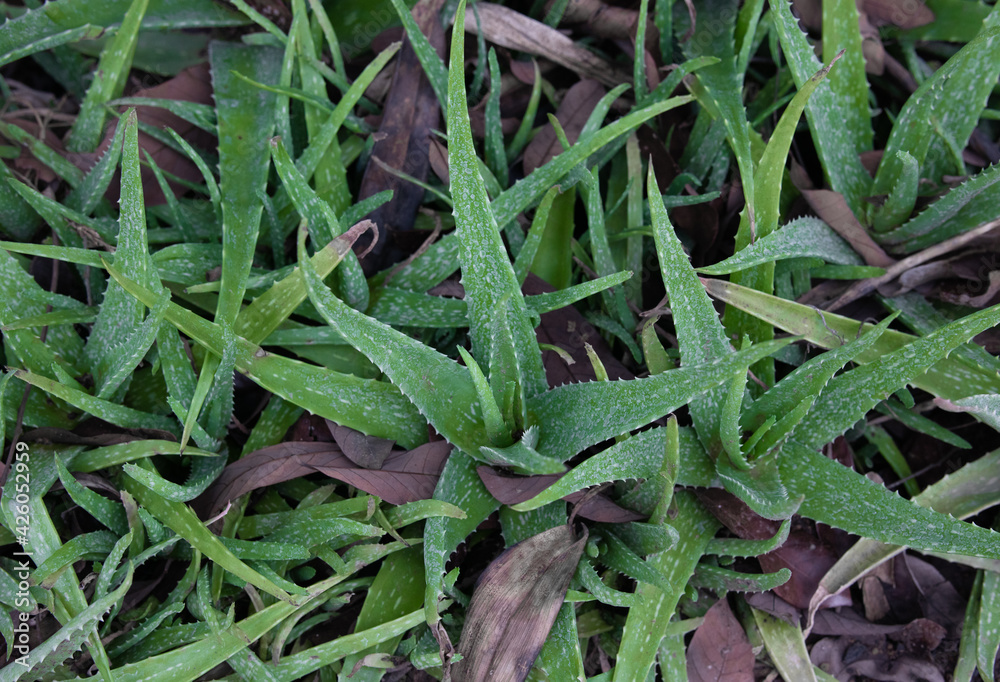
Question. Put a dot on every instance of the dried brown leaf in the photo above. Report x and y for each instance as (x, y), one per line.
(366, 451)
(515, 489)
(833, 209)
(515, 604)
(193, 84)
(404, 138)
(720, 650)
(905, 15)
(405, 476)
(515, 31)
(576, 106)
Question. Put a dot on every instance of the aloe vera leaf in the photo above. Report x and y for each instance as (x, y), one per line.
(700, 335)
(786, 645)
(638, 457)
(963, 208)
(809, 379)
(409, 364)
(902, 198)
(132, 351)
(374, 407)
(951, 378)
(434, 66)
(589, 578)
(543, 303)
(988, 640)
(721, 85)
(614, 300)
(245, 121)
(491, 287)
(922, 317)
(526, 256)
(399, 307)
(846, 398)
(842, 498)
(120, 314)
(826, 112)
(88, 194)
(205, 653)
(461, 486)
(320, 142)
(496, 157)
(330, 177)
(20, 294)
(650, 616)
(528, 190)
(961, 494)
(801, 238)
(111, 412)
(986, 408)
(396, 591)
(42, 152)
(736, 547)
(312, 207)
(83, 547)
(109, 513)
(44, 658)
(180, 519)
(625, 405)
(722, 580)
(47, 21)
(109, 81)
(41, 540)
(954, 96)
(553, 261)
(848, 81)
(204, 470)
(85, 32)
(766, 200)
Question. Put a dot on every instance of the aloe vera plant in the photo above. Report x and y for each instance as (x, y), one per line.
(407, 436)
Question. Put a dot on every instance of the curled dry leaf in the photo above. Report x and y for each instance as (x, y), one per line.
(514, 605)
(515, 489)
(720, 650)
(405, 476)
(515, 31)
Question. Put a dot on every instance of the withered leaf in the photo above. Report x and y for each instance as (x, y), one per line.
(511, 29)
(405, 476)
(573, 112)
(515, 489)
(366, 451)
(411, 112)
(720, 650)
(515, 604)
